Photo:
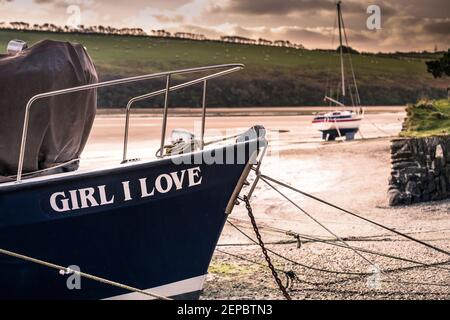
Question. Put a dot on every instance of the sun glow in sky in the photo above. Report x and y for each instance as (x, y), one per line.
(405, 24)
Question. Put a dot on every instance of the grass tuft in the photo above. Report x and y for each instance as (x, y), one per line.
(427, 118)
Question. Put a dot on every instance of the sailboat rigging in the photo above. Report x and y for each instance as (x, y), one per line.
(342, 121)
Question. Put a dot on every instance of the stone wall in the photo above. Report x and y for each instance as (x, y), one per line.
(420, 170)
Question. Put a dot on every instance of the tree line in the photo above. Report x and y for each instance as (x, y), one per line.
(100, 29)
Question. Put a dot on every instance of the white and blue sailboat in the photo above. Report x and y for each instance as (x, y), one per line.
(341, 120)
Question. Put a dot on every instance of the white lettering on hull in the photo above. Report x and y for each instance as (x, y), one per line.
(126, 191)
(90, 197)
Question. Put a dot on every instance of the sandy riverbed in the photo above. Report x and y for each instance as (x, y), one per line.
(351, 174)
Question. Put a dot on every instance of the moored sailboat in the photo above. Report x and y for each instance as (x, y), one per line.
(343, 120)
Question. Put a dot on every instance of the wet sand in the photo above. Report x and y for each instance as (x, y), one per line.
(353, 175)
(284, 131)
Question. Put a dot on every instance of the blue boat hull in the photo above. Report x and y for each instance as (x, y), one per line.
(118, 230)
(331, 135)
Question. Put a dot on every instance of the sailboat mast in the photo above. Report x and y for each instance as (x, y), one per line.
(340, 46)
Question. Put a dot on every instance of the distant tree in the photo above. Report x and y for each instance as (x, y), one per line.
(348, 49)
(441, 67)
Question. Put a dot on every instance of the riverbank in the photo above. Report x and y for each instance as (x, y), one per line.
(249, 111)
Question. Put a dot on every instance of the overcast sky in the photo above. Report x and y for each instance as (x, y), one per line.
(405, 24)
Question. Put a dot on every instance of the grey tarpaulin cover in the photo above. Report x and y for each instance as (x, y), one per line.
(59, 126)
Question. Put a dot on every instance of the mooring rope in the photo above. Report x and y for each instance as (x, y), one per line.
(321, 225)
(356, 275)
(378, 128)
(296, 262)
(349, 247)
(292, 275)
(366, 238)
(181, 147)
(443, 251)
(312, 239)
(82, 274)
(381, 254)
(346, 245)
(381, 271)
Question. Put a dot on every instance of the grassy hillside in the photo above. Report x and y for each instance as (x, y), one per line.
(273, 76)
(427, 118)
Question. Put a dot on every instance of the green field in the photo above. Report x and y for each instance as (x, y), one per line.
(273, 76)
(427, 118)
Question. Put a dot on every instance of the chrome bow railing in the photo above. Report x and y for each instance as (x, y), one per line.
(226, 69)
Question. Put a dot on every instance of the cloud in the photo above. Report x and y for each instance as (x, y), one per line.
(422, 9)
(438, 27)
(270, 7)
(169, 18)
(412, 33)
(406, 24)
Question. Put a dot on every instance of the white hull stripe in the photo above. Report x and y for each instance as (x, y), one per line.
(334, 126)
(167, 290)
